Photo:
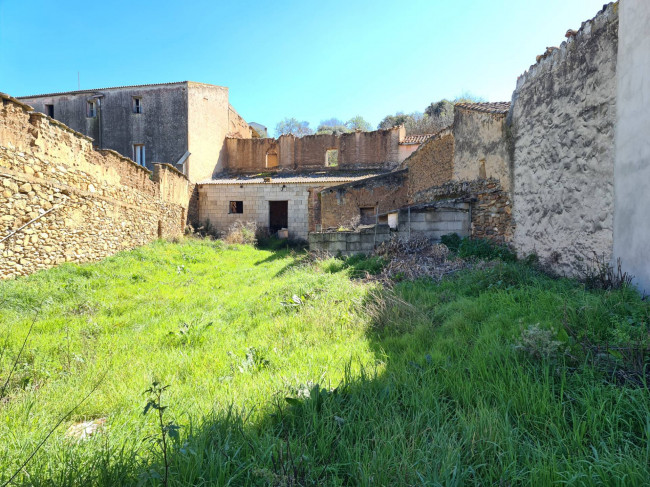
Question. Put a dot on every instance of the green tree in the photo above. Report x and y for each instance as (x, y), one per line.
(358, 123)
(332, 126)
(292, 126)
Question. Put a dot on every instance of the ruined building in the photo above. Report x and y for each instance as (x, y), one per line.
(561, 171)
(184, 124)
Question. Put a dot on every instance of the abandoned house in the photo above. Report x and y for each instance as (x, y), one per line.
(184, 124)
(561, 171)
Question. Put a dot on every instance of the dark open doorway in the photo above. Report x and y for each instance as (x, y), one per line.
(278, 215)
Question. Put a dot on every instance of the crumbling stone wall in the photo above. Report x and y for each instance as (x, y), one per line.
(491, 206)
(340, 205)
(357, 151)
(563, 115)
(237, 126)
(432, 164)
(87, 204)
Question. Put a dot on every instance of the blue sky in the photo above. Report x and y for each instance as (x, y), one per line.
(303, 59)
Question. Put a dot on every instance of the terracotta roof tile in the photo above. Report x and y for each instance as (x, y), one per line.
(416, 139)
(311, 178)
(109, 88)
(501, 107)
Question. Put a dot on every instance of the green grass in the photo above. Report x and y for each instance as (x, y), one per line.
(351, 385)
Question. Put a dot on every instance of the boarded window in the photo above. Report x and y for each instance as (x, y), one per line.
(139, 154)
(271, 160)
(236, 207)
(49, 110)
(367, 215)
(332, 157)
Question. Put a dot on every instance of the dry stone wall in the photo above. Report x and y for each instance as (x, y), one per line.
(62, 201)
(562, 121)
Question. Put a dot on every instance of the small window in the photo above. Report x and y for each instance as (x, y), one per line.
(90, 109)
(137, 104)
(236, 207)
(139, 154)
(49, 110)
(271, 160)
(367, 215)
(332, 158)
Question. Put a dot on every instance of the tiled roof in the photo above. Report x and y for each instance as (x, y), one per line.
(108, 88)
(416, 139)
(309, 178)
(496, 107)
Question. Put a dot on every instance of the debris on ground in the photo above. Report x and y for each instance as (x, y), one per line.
(416, 258)
(86, 429)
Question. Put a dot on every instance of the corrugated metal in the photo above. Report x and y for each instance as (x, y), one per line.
(288, 180)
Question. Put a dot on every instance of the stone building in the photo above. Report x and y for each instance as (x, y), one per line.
(184, 124)
(464, 169)
(277, 182)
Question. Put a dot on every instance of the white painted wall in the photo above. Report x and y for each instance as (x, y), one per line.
(632, 167)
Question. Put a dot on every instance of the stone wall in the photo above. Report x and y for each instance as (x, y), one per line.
(632, 168)
(86, 204)
(357, 151)
(491, 206)
(430, 221)
(341, 205)
(562, 122)
(237, 126)
(432, 164)
(214, 204)
(481, 150)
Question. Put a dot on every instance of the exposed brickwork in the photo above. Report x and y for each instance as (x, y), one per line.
(358, 150)
(340, 205)
(89, 204)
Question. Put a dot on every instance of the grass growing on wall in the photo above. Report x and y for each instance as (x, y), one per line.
(284, 371)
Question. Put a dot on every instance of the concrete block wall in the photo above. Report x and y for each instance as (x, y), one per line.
(431, 223)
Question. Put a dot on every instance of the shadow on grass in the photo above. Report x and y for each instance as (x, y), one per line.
(449, 402)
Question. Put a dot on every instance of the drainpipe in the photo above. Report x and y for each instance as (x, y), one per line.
(99, 117)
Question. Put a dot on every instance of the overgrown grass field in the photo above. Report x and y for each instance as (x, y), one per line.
(287, 371)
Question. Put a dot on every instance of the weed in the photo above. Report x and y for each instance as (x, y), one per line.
(242, 233)
(166, 429)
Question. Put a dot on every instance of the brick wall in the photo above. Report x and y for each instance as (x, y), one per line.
(88, 204)
(340, 205)
(357, 151)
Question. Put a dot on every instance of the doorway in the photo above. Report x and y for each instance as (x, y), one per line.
(278, 215)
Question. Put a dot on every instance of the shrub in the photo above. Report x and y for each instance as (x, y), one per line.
(243, 233)
(477, 247)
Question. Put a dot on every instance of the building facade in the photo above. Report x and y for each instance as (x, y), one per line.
(184, 124)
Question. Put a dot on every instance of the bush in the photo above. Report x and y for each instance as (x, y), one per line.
(243, 233)
(480, 248)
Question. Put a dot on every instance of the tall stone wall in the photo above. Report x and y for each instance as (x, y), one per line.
(341, 205)
(562, 120)
(78, 204)
(237, 126)
(357, 151)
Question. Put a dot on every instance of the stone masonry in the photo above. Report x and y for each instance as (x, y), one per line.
(78, 204)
